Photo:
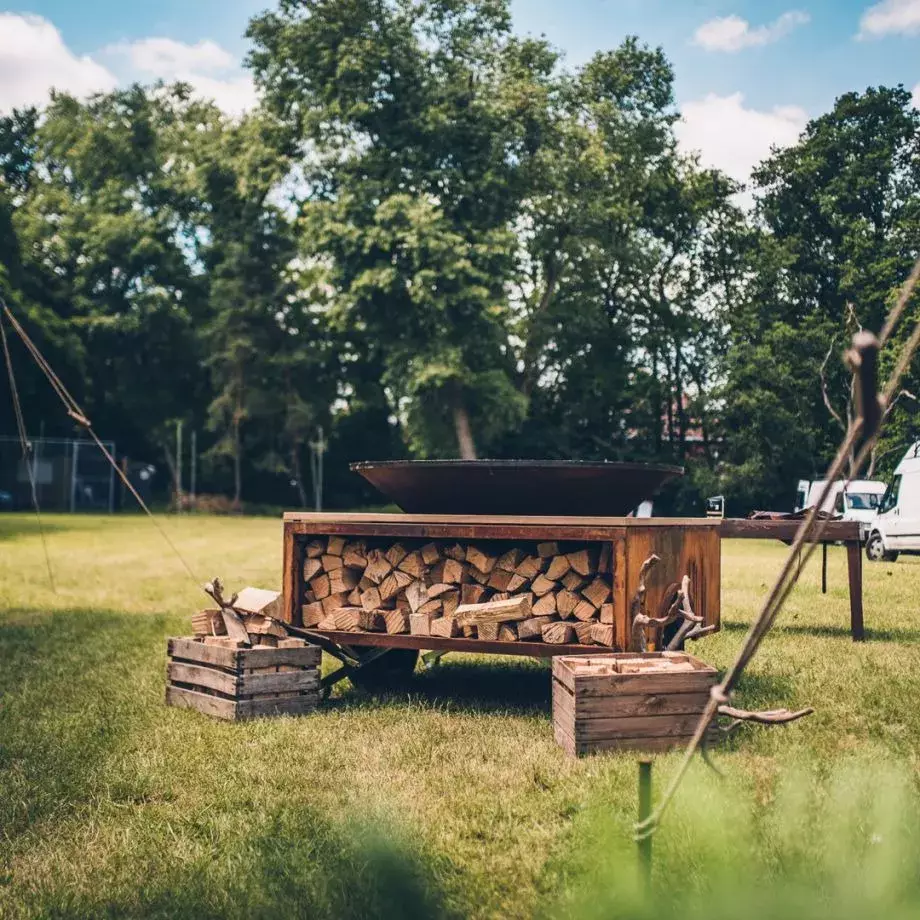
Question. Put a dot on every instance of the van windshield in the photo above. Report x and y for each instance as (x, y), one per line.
(890, 498)
(863, 501)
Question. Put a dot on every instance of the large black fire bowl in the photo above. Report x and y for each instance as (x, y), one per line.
(535, 487)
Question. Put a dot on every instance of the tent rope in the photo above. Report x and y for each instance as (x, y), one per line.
(77, 414)
(872, 409)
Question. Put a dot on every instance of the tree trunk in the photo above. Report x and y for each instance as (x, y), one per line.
(464, 433)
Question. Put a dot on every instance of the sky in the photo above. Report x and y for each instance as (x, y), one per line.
(748, 73)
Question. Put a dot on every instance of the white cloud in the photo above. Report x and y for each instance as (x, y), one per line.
(890, 16)
(164, 57)
(34, 59)
(734, 138)
(732, 33)
(209, 69)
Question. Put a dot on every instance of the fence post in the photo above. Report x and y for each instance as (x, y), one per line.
(645, 809)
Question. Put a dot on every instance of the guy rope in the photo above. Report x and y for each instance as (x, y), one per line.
(872, 409)
(76, 413)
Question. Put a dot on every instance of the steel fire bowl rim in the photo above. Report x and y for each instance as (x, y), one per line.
(519, 487)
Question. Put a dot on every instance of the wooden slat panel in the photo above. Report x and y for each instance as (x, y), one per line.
(620, 597)
(281, 682)
(574, 749)
(640, 704)
(438, 529)
(632, 684)
(327, 518)
(213, 679)
(190, 650)
(209, 705)
(307, 657)
(742, 529)
(251, 709)
(565, 671)
(291, 581)
(480, 646)
(601, 729)
(683, 551)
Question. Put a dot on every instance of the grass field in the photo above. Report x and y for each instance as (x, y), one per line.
(448, 799)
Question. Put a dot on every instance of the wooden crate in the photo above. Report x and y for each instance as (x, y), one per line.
(625, 701)
(244, 683)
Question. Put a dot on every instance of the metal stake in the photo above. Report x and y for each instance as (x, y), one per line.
(645, 809)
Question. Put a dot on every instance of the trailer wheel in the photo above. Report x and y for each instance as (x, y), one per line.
(396, 666)
(875, 549)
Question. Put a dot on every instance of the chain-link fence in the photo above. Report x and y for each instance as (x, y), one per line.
(70, 475)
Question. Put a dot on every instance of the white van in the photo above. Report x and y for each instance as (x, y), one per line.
(859, 501)
(896, 527)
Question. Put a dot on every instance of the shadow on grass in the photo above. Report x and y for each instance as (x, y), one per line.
(824, 631)
(75, 685)
(13, 526)
(294, 863)
(484, 685)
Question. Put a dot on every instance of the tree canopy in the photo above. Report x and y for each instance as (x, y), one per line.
(434, 238)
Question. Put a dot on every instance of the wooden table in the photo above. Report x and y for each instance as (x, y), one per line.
(845, 532)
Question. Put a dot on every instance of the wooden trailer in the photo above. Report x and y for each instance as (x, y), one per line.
(350, 576)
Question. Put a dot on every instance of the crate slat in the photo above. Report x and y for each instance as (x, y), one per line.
(218, 706)
(285, 682)
(182, 673)
(191, 650)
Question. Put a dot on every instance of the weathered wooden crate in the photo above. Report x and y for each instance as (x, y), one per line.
(626, 701)
(242, 683)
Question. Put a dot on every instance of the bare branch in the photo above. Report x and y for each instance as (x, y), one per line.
(638, 617)
(824, 393)
(764, 717)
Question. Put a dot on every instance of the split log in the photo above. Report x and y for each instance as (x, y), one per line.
(378, 566)
(605, 559)
(395, 554)
(509, 561)
(315, 549)
(584, 632)
(354, 597)
(480, 560)
(558, 566)
(258, 600)
(517, 582)
(445, 627)
(545, 606)
(347, 618)
(370, 599)
(343, 580)
(603, 634)
(558, 633)
(532, 628)
(330, 563)
(393, 584)
(355, 555)
(597, 593)
(572, 581)
(439, 589)
(430, 553)
(507, 632)
(541, 585)
(472, 594)
(413, 565)
(606, 613)
(336, 546)
(371, 620)
(258, 625)
(566, 602)
(456, 552)
(320, 587)
(529, 567)
(396, 621)
(208, 623)
(450, 601)
(433, 608)
(515, 608)
(545, 550)
(584, 611)
(312, 614)
(474, 573)
(420, 624)
(500, 579)
(488, 631)
(224, 642)
(311, 568)
(416, 595)
(584, 561)
(447, 571)
(333, 602)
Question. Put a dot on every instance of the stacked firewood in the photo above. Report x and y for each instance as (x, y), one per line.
(549, 592)
(249, 618)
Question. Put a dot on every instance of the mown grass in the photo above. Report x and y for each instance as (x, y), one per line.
(447, 798)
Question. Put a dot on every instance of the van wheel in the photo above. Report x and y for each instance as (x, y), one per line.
(876, 552)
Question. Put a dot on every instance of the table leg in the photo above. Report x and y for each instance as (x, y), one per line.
(854, 570)
(824, 568)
